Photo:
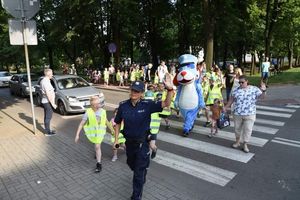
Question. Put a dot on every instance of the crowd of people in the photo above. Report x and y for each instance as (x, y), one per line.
(136, 122)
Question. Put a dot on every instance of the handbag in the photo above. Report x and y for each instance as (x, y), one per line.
(223, 121)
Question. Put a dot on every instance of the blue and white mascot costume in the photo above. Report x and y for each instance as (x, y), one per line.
(189, 98)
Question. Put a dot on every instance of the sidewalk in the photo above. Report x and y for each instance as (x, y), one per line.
(37, 167)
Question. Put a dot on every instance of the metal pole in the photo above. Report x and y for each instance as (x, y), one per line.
(27, 65)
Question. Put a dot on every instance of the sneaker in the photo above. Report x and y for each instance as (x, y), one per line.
(207, 124)
(50, 133)
(235, 145)
(245, 148)
(153, 154)
(98, 168)
(210, 135)
(114, 158)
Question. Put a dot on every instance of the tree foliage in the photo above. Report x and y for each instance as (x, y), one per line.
(79, 31)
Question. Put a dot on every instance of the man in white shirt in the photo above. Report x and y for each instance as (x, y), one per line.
(265, 66)
(162, 69)
(48, 100)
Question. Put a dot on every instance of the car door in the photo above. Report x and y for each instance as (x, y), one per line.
(12, 84)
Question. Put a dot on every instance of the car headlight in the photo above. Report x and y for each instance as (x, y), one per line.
(72, 99)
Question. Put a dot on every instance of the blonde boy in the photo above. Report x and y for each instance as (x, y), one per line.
(94, 123)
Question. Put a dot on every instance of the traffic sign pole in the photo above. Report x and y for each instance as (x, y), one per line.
(28, 65)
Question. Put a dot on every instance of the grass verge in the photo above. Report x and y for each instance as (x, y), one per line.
(290, 76)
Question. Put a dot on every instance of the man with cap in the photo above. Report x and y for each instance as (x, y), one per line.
(136, 116)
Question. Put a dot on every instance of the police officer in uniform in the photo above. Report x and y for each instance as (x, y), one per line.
(136, 115)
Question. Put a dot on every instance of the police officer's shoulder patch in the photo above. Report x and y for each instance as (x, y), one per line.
(146, 100)
(122, 102)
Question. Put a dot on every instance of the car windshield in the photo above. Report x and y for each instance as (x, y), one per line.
(69, 83)
(3, 74)
(33, 78)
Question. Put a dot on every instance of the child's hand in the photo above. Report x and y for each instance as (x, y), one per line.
(76, 138)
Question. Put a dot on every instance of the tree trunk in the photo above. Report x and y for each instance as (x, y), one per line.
(290, 54)
(271, 18)
(209, 28)
(253, 64)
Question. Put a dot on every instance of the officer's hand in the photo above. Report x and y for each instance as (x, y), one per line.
(168, 82)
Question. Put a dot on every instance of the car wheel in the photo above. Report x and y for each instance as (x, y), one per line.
(61, 108)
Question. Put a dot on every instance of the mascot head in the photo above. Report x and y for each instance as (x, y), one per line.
(187, 72)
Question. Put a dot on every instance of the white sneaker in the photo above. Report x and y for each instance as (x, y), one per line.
(114, 158)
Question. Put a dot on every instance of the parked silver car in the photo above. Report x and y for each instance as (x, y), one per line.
(4, 78)
(72, 93)
(18, 84)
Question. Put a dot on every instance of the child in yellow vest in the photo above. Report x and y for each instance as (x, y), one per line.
(122, 140)
(94, 123)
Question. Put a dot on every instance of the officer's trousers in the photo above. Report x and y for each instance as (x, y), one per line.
(138, 159)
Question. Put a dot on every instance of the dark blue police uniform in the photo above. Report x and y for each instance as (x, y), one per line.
(136, 130)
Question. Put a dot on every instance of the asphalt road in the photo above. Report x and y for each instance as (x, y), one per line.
(204, 168)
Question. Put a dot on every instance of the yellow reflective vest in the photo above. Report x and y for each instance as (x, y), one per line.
(214, 93)
(93, 129)
(155, 120)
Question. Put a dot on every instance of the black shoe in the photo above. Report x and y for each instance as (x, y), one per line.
(50, 133)
(185, 134)
(98, 168)
(153, 154)
(207, 124)
(198, 115)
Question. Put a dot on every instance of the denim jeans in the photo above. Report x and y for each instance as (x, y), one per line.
(47, 116)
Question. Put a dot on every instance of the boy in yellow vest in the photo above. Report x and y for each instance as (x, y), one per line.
(94, 123)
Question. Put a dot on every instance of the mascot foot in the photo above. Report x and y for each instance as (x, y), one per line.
(186, 133)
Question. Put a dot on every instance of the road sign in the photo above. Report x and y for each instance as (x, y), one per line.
(112, 47)
(15, 7)
(16, 32)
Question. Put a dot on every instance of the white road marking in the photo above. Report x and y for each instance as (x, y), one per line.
(286, 143)
(197, 169)
(292, 106)
(274, 114)
(257, 128)
(287, 140)
(275, 109)
(194, 168)
(218, 150)
(260, 142)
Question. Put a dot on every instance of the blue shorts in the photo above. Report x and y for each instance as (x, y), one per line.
(265, 75)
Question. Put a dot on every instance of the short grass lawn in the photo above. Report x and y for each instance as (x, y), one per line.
(290, 76)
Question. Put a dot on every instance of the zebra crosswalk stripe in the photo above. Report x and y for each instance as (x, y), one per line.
(257, 128)
(274, 114)
(195, 168)
(218, 150)
(260, 142)
(275, 108)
